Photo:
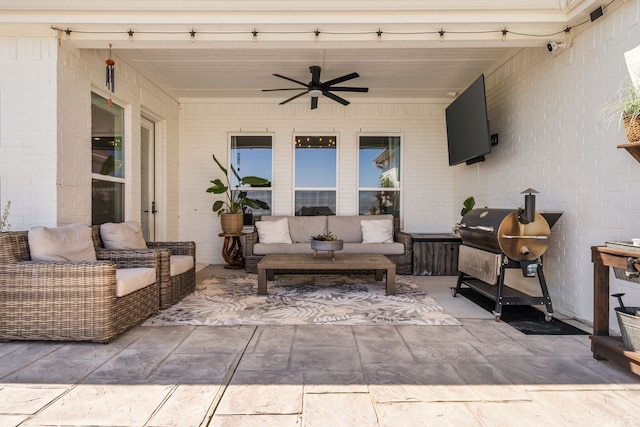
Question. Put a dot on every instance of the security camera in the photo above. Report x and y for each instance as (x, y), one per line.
(554, 46)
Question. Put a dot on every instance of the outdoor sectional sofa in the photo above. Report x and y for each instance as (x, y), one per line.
(346, 228)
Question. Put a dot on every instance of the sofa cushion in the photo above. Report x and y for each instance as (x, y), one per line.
(129, 280)
(395, 248)
(301, 228)
(282, 248)
(124, 235)
(179, 264)
(348, 228)
(273, 231)
(378, 231)
(66, 243)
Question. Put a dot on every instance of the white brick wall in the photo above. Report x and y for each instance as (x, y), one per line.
(553, 137)
(427, 201)
(46, 131)
(28, 130)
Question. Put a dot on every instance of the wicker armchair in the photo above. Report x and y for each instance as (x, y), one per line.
(69, 301)
(172, 288)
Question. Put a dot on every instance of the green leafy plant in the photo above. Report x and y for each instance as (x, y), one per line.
(467, 205)
(236, 197)
(326, 237)
(4, 218)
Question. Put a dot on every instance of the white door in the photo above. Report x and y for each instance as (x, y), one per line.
(147, 159)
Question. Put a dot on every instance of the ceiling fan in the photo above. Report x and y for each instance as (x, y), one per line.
(315, 88)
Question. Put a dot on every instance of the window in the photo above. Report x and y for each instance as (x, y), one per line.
(379, 175)
(107, 161)
(315, 175)
(251, 156)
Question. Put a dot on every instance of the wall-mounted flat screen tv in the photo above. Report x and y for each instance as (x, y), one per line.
(468, 136)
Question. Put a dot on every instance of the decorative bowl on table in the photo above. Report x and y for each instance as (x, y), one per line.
(326, 242)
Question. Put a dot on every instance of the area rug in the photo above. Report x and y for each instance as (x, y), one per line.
(303, 299)
(524, 318)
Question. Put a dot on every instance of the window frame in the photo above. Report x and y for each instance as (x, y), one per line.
(127, 137)
(294, 186)
(399, 188)
(271, 135)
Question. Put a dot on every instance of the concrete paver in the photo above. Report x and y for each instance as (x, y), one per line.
(482, 373)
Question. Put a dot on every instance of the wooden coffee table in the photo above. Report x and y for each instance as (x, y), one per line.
(343, 262)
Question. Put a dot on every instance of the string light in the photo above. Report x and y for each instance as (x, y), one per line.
(316, 33)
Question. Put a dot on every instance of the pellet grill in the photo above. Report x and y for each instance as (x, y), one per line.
(494, 240)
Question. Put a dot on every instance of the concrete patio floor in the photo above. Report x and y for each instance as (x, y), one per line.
(484, 373)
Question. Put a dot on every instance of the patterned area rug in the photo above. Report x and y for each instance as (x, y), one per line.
(303, 299)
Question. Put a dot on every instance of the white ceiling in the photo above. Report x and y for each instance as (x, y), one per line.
(223, 61)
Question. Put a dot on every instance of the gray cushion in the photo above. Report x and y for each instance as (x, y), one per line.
(349, 248)
(65, 243)
(301, 228)
(348, 228)
(394, 248)
(281, 248)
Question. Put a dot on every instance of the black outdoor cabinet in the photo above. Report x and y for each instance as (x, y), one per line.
(435, 254)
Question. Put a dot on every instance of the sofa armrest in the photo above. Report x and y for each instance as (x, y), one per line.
(49, 283)
(404, 238)
(130, 258)
(250, 240)
(176, 248)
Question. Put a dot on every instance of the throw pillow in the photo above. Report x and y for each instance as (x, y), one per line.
(65, 243)
(377, 231)
(273, 231)
(124, 235)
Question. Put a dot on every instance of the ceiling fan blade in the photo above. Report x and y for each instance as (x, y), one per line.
(348, 89)
(335, 98)
(290, 79)
(314, 102)
(315, 75)
(294, 97)
(286, 88)
(344, 78)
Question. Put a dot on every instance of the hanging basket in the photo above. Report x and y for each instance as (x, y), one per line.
(632, 128)
(231, 223)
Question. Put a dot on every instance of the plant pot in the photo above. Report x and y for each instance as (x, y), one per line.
(231, 223)
(327, 245)
(632, 128)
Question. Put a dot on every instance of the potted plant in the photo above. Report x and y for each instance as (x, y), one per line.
(326, 242)
(4, 218)
(626, 108)
(231, 209)
(467, 205)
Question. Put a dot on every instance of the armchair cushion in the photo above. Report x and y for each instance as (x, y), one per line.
(65, 243)
(179, 264)
(129, 280)
(125, 235)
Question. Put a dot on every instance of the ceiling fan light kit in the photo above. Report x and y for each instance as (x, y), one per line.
(315, 88)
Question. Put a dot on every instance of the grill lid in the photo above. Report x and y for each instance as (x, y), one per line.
(501, 230)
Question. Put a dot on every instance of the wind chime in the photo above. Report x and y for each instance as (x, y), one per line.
(110, 75)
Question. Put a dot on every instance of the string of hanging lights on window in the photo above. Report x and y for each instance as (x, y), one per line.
(315, 141)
